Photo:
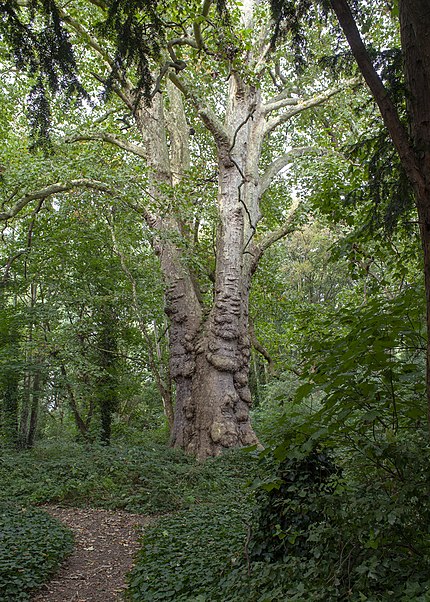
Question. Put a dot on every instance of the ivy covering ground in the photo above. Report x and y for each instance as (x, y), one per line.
(32, 544)
(145, 479)
(313, 530)
(185, 556)
(210, 500)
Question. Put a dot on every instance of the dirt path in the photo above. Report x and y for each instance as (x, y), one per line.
(105, 542)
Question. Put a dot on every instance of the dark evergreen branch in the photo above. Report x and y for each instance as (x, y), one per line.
(386, 106)
(41, 47)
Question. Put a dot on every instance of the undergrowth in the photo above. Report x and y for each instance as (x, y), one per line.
(147, 480)
(318, 525)
(32, 544)
(184, 557)
(207, 511)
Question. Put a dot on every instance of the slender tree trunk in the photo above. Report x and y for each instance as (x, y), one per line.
(164, 381)
(34, 413)
(10, 409)
(82, 427)
(25, 412)
(106, 386)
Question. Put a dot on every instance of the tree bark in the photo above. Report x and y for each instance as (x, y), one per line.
(82, 427)
(216, 414)
(9, 416)
(25, 412)
(37, 386)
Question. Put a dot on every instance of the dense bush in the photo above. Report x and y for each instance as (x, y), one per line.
(323, 535)
(31, 546)
(287, 513)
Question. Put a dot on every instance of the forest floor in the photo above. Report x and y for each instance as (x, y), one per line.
(105, 542)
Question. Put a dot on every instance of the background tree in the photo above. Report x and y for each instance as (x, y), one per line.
(408, 126)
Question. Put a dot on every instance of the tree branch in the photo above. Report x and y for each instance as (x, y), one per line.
(125, 96)
(9, 263)
(267, 241)
(197, 26)
(93, 43)
(388, 110)
(111, 139)
(278, 164)
(50, 190)
(208, 117)
(281, 100)
(303, 105)
(259, 347)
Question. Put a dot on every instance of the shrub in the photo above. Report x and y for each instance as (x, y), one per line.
(323, 535)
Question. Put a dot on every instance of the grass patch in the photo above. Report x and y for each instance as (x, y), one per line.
(32, 544)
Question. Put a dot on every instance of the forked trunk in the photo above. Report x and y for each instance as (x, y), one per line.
(213, 415)
(209, 347)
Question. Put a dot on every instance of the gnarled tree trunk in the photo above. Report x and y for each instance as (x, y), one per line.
(209, 343)
(209, 350)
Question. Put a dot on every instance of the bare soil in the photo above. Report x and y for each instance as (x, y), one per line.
(105, 542)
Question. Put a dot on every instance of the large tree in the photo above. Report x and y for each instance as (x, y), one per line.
(213, 72)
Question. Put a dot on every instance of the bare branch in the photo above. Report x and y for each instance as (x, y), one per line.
(105, 116)
(259, 347)
(281, 101)
(181, 42)
(261, 60)
(9, 263)
(278, 164)
(303, 105)
(267, 241)
(111, 139)
(50, 190)
(92, 42)
(126, 97)
(279, 74)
